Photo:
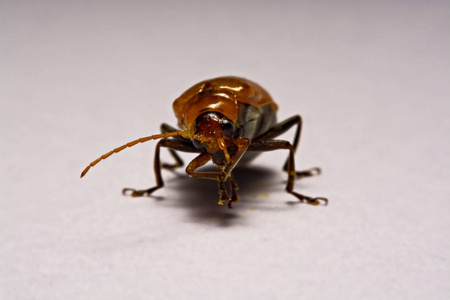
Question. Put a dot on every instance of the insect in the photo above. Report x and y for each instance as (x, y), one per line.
(226, 120)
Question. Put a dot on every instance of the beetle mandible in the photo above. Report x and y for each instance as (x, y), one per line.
(224, 119)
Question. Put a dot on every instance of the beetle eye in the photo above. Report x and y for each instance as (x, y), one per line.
(228, 127)
(198, 144)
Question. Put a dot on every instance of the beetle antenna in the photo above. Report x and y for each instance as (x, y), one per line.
(131, 144)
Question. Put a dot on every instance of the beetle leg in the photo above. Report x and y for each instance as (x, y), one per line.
(223, 195)
(199, 161)
(270, 145)
(178, 161)
(165, 128)
(234, 194)
(280, 128)
(242, 144)
(224, 174)
(172, 144)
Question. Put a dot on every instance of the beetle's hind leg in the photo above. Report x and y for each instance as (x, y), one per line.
(280, 128)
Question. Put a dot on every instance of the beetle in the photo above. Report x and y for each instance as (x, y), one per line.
(226, 120)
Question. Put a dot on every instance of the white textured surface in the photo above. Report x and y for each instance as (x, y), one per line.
(79, 78)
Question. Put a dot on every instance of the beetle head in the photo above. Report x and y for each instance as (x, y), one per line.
(215, 133)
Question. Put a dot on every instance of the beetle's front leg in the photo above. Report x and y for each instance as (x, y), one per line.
(223, 195)
(234, 194)
(199, 161)
(242, 144)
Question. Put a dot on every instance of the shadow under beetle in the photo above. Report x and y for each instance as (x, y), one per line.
(226, 120)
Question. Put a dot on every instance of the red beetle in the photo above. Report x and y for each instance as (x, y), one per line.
(225, 119)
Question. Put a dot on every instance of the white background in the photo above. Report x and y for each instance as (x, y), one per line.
(370, 78)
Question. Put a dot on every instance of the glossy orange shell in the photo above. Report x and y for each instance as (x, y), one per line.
(222, 95)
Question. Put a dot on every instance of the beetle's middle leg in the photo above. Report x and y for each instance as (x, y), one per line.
(166, 128)
(171, 144)
(270, 145)
(280, 128)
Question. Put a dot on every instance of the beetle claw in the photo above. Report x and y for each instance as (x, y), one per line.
(133, 192)
(316, 201)
(224, 199)
(312, 201)
(308, 173)
(138, 193)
